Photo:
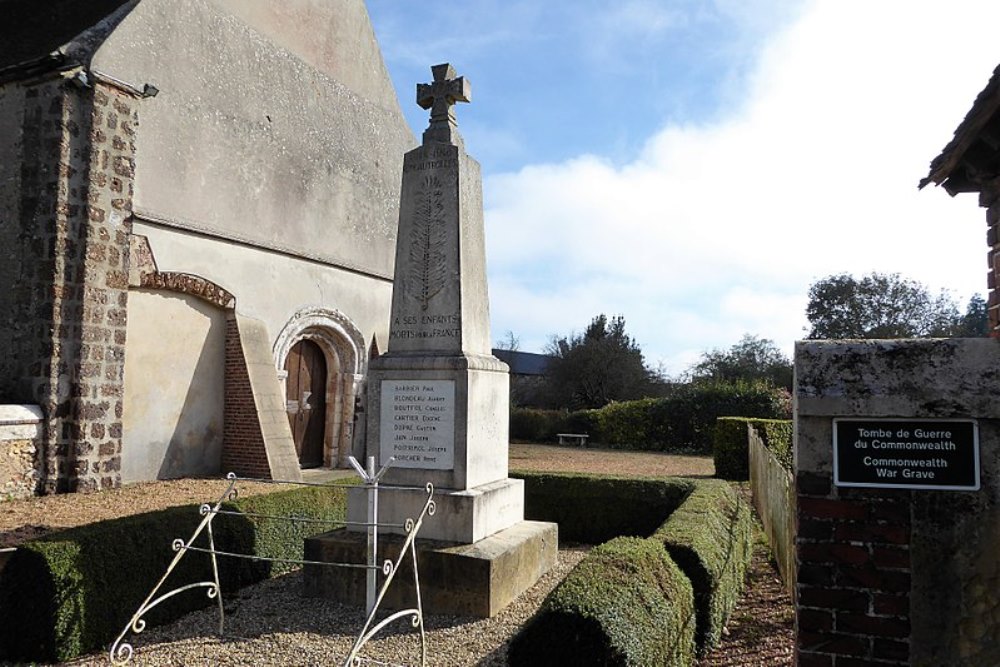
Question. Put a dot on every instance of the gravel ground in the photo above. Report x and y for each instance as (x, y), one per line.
(272, 624)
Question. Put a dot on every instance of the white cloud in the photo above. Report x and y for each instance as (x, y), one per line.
(717, 230)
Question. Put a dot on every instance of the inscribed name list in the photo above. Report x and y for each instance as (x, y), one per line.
(417, 423)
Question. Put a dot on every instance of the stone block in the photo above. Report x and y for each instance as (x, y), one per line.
(479, 419)
(466, 515)
(478, 579)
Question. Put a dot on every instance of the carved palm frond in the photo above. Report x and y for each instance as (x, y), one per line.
(428, 272)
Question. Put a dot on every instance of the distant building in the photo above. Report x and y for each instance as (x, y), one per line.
(527, 375)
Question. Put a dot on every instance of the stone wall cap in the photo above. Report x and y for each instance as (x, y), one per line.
(20, 414)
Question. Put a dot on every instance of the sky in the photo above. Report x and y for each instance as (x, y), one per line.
(695, 165)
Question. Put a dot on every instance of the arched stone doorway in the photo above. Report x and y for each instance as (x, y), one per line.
(330, 336)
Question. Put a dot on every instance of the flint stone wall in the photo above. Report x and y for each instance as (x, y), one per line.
(896, 576)
(20, 435)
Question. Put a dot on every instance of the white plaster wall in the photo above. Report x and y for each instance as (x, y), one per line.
(174, 374)
(270, 286)
(249, 140)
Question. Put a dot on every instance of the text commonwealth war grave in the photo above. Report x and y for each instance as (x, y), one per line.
(438, 399)
(897, 458)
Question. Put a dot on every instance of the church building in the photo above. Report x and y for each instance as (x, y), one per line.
(198, 210)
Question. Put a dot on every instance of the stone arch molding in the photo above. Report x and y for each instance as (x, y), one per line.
(331, 329)
(343, 345)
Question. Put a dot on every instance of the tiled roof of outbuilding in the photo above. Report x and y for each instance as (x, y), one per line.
(523, 363)
(974, 152)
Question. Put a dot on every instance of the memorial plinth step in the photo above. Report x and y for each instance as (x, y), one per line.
(465, 516)
(478, 579)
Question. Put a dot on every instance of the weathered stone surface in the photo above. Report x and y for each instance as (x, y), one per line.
(458, 579)
(462, 516)
(913, 568)
(439, 326)
(21, 428)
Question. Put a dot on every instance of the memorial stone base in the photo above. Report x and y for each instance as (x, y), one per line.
(477, 579)
(461, 515)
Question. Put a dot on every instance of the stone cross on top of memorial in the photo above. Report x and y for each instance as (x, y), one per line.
(440, 97)
(439, 300)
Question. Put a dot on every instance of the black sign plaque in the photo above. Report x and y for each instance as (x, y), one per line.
(906, 453)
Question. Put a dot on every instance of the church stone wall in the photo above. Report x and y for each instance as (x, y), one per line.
(65, 328)
(11, 251)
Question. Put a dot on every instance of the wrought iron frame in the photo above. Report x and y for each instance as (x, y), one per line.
(121, 652)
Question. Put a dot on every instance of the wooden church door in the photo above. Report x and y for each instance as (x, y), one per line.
(305, 397)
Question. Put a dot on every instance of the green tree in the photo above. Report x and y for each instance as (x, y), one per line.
(878, 306)
(975, 323)
(591, 369)
(752, 359)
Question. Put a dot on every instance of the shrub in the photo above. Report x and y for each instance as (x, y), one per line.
(710, 537)
(626, 603)
(594, 509)
(777, 436)
(583, 421)
(74, 591)
(535, 425)
(630, 425)
(697, 406)
(681, 422)
(729, 444)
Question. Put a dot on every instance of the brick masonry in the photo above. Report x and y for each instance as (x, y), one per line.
(243, 448)
(853, 548)
(989, 198)
(68, 322)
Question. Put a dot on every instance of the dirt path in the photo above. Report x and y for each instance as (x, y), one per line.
(551, 458)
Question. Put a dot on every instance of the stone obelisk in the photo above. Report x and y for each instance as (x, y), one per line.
(438, 400)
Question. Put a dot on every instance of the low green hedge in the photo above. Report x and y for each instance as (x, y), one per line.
(594, 509)
(626, 603)
(729, 444)
(710, 537)
(704, 529)
(72, 592)
(681, 422)
(777, 436)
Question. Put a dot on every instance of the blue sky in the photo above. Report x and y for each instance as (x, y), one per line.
(695, 165)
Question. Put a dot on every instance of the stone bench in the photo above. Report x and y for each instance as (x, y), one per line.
(573, 438)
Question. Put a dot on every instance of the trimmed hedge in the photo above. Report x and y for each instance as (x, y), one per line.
(626, 603)
(729, 444)
(594, 509)
(681, 422)
(707, 536)
(710, 537)
(74, 591)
